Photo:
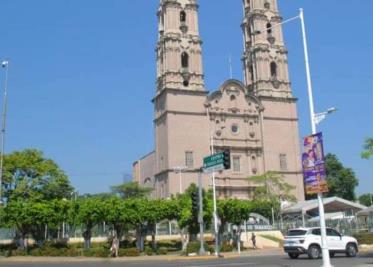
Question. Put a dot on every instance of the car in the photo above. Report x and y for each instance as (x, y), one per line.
(308, 241)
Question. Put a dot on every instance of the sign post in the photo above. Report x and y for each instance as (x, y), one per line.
(211, 164)
(200, 215)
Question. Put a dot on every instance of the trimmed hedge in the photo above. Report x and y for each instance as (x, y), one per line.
(100, 250)
(226, 247)
(193, 247)
(162, 251)
(128, 252)
(364, 238)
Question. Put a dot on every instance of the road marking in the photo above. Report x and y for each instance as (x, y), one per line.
(224, 264)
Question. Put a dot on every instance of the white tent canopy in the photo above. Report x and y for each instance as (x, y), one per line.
(365, 212)
(331, 205)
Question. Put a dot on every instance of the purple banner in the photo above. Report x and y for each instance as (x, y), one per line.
(313, 162)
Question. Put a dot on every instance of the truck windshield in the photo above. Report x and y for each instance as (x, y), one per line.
(297, 232)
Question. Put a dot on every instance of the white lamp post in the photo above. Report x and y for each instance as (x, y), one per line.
(316, 118)
(4, 64)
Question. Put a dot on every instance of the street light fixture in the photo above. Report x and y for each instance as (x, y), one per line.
(319, 117)
(5, 65)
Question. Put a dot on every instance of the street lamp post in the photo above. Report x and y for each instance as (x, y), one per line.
(316, 118)
(4, 64)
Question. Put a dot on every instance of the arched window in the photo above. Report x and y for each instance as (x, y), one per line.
(184, 60)
(269, 28)
(273, 70)
(182, 17)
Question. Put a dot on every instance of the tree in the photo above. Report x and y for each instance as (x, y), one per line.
(157, 211)
(29, 175)
(31, 218)
(233, 211)
(131, 190)
(35, 191)
(366, 200)
(272, 190)
(117, 214)
(368, 149)
(188, 219)
(89, 212)
(341, 181)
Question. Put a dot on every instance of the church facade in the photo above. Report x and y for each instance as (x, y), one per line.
(256, 119)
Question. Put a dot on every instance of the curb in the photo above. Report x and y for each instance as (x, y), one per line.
(169, 258)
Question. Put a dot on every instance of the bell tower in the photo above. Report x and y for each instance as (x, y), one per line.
(181, 125)
(266, 75)
(179, 53)
(265, 57)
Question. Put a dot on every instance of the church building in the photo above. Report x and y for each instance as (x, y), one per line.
(256, 119)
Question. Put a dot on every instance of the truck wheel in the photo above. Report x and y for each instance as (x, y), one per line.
(351, 250)
(293, 255)
(314, 252)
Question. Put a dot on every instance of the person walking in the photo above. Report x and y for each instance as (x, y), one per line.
(253, 240)
(115, 247)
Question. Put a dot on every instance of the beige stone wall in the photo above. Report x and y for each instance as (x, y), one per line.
(281, 136)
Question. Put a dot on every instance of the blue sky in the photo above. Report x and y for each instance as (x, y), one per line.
(82, 76)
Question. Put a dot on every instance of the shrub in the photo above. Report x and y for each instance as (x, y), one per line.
(129, 252)
(18, 252)
(226, 247)
(162, 251)
(193, 247)
(211, 249)
(148, 251)
(97, 252)
(364, 238)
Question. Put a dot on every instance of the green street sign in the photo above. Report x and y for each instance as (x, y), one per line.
(214, 162)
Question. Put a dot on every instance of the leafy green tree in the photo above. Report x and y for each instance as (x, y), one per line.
(131, 190)
(341, 181)
(31, 218)
(187, 219)
(368, 149)
(366, 199)
(117, 215)
(157, 211)
(89, 212)
(233, 211)
(29, 175)
(271, 190)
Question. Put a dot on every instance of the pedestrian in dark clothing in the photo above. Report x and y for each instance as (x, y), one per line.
(253, 239)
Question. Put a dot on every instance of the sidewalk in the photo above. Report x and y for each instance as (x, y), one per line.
(227, 255)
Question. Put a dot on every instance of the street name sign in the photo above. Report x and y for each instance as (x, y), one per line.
(213, 163)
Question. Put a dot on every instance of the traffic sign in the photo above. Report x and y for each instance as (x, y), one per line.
(214, 162)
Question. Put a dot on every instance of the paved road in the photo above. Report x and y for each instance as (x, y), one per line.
(269, 261)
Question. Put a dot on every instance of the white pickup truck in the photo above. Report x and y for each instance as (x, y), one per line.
(308, 241)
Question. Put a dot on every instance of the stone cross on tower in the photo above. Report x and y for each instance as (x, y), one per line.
(179, 53)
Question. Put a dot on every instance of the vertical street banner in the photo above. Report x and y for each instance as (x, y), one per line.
(313, 162)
